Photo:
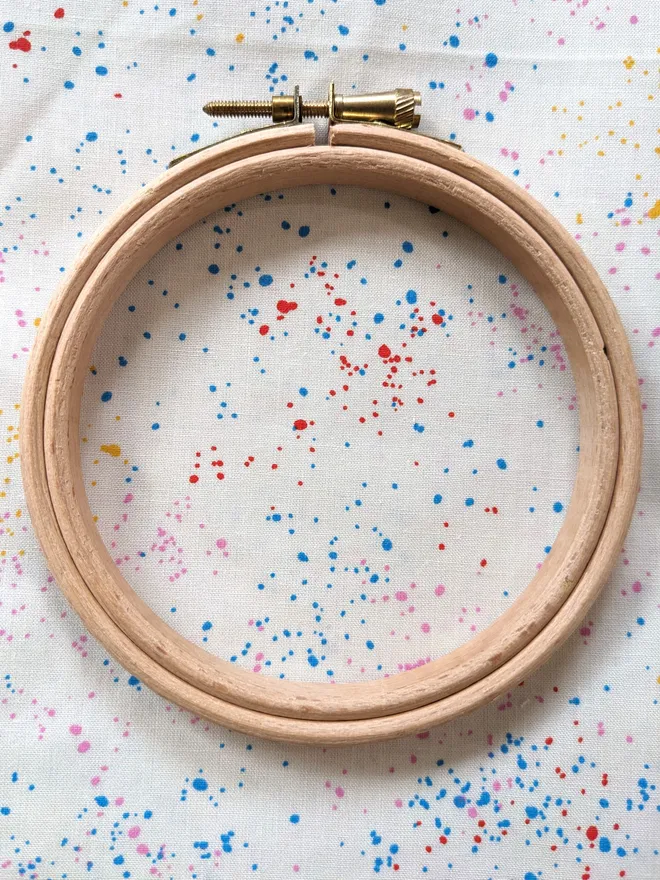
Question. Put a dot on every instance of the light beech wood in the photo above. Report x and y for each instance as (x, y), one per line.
(585, 549)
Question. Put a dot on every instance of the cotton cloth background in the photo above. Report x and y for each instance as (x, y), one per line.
(285, 498)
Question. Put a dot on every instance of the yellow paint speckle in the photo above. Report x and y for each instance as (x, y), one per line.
(629, 62)
(654, 212)
(37, 321)
(112, 449)
(579, 220)
(240, 38)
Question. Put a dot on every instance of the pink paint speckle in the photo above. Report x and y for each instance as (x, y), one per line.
(84, 746)
(469, 114)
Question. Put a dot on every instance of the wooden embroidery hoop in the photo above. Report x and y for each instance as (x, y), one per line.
(597, 518)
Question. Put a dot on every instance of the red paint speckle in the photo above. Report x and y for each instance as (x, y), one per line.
(284, 306)
(263, 330)
(300, 424)
(59, 12)
(483, 563)
(193, 478)
(22, 44)
(384, 351)
(591, 832)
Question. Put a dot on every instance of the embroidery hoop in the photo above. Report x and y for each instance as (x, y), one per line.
(597, 518)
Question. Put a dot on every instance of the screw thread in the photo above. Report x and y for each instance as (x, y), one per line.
(260, 108)
(315, 108)
(238, 108)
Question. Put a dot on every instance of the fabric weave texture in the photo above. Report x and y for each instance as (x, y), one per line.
(328, 434)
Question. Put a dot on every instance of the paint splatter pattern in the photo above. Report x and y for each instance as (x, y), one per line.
(311, 428)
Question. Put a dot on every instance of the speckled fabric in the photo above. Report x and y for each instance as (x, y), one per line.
(329, 435)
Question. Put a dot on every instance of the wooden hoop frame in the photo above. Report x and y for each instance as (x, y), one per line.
(584, 551)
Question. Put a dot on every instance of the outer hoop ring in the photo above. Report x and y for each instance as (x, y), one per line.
(47, 479)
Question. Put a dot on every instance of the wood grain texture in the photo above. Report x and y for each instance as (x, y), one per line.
(584, 551)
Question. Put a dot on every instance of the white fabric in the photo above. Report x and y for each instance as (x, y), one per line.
(399, 534)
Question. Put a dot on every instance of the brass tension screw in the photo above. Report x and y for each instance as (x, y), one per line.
(399, 107)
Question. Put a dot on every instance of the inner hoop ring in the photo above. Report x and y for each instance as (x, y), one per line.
(583, 554)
